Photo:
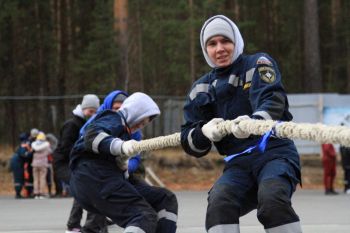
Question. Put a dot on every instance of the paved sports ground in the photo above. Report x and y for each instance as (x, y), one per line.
(318, 213)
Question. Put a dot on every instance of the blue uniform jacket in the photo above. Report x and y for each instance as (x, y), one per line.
(107, 127)
(250, 86)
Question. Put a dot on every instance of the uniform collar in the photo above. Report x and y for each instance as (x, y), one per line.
(221, 72)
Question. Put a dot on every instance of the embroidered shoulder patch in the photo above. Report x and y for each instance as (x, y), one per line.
(263, 61)
(267, 74)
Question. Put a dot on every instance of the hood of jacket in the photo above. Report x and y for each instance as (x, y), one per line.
(78, 111)
(137, 107)
(107, 105)
(109, 99)
(236, 34)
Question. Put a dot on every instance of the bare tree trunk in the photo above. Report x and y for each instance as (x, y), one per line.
(39, 50)
(347, 45)
(268, 15)
(43, 87)
(55, 12)
(62, 44)
(275, 22)
(331, 83)
(192, 43)
(140, 47)
(55, 81)
(348, 67)
(312, 59)
(61, 48)
(121, 26)
(69, 28)
(10, 109)
(236, 10)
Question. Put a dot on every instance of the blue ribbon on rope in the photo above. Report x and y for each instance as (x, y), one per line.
(260, 146)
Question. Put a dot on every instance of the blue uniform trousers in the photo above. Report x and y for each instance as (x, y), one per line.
(18, 178)
(100, 187)
(250, 182)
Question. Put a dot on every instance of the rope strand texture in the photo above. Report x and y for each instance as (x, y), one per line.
(158, 143)
(305, 131)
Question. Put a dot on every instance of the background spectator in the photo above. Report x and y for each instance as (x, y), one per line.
(329, 160)
(17, 163)
(345, 161)
(40, 165)
(51, 177)
(69, 133)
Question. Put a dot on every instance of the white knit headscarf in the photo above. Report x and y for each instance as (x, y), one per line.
(221, 25)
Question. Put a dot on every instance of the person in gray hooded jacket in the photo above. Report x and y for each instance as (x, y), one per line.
(98, 179)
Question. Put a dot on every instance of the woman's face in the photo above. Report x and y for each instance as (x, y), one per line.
(140, 125)
(220, 50)
(88, 112)
(116, 105)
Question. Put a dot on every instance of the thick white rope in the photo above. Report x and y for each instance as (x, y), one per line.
(305, 131)
(157, 143)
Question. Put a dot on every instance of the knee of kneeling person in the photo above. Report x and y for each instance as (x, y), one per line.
(151, 217)
(167, 200)
(172, 204)
(147, 221)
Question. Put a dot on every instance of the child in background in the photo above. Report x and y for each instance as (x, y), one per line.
(40, 165)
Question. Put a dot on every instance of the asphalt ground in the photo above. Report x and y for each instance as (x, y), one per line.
(318, 213)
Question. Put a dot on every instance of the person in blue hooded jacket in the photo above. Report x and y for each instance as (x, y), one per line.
(97, 162)
(113, 101)
(17, 163)
(259, 173)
